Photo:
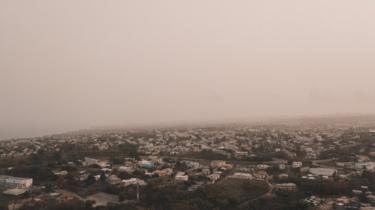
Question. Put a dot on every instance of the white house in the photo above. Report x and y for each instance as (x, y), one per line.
(181, 176)
(9, 182)
(323, 171)
(297, 164)
(241, 176)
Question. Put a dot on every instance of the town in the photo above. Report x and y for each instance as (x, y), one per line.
(311, 165)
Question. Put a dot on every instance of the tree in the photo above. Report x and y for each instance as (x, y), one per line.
(103, 178)
(90, 180)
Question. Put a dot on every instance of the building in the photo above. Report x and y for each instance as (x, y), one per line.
(369, 166)
(327, 172)
(218, 163)
(126, 169)
(241, 176)
(60, 173)
(102, 199)
(262, 166)
(181, 176)
(146, 164)
(10, 182)
(221, 164)
(283, 176)
(214, 177)
(291, 187)
(15, 191)
(133, 181)
(261, 175)
(164, 172)
(113, 179)
(92, 161)
(192, 164)
(297, 164)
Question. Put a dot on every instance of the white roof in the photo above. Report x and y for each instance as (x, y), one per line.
(322, 171)
(15, 191)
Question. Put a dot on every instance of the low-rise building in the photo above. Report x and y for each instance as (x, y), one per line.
(10, 182)
(328, 172)
(113, 179)
(133, 181)
(241, 176)
(214, 177)
(286, 187)
(297, 164)
(181, 176)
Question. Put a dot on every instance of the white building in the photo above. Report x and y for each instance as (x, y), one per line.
(262, 166)
(92, 161)
(181, 176)
(126, 169)
(10, 182)
(327, 172)
(214, 177)
(241, 176)
(133, 181)
(297, 164)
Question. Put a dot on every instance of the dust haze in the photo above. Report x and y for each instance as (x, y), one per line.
(76, 64)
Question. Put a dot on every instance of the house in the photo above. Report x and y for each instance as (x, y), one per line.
(15, 191)
(60, 173)
(241, 154)
(369, 166)
(192, 164)
(133, 181)
(283, 176)
(113, 179)
(146, 164)
(9, 182)
(214, 177)
(241, 176)
(327, 172)
(181, 176)
(218, 163)
(102, 199)
(261, 175)
(304, 169)
(164, 172)
(362, 158)
(126, 169)
(290, 187)
(296, 164)
(91, 161)
(262, 166)
(221, 165)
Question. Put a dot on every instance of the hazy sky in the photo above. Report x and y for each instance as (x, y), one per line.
(69, 64)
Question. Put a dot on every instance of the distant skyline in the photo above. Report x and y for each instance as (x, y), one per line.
(67, 65)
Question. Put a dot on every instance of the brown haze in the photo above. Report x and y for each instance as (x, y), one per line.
(72, 64)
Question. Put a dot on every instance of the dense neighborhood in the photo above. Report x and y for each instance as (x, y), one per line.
(263, 166)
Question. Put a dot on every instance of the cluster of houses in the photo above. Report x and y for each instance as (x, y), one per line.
(168, 153)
